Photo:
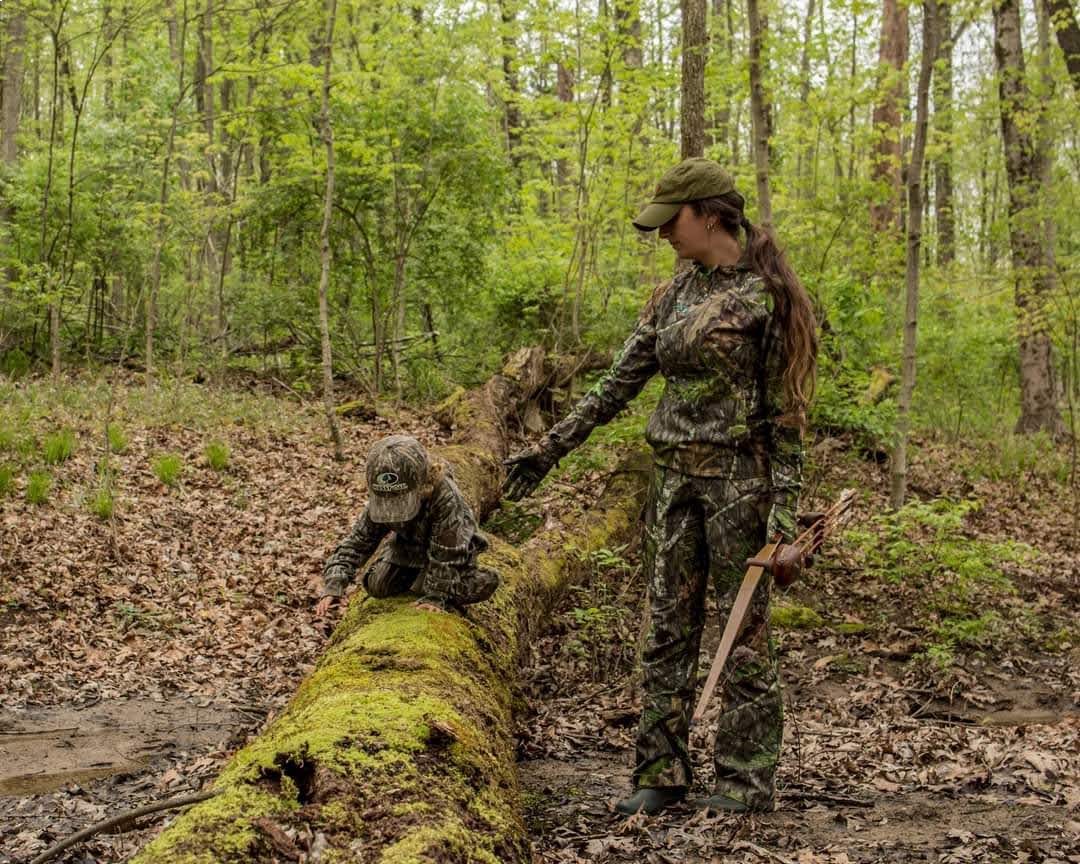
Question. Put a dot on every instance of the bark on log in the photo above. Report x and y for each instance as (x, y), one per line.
(399, 746)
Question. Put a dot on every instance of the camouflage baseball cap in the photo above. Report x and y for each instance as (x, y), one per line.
(690, 180)
(397, 469)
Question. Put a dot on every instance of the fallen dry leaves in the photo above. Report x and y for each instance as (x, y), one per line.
(200, 593)
(884, 759)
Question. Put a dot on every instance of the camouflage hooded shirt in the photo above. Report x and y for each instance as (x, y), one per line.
(711, 334)
(442, 540)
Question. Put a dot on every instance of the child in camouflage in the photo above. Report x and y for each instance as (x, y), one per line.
(435, 538)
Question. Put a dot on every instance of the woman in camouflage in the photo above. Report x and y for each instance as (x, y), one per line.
(734, 337)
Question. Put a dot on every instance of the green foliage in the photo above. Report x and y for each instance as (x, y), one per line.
(14, 363)
(955, 579)
(37, 487)
(118, 441)
(451, 217)
(977, 632)
(608, 443)
(59, 447)
(217, 455)
(514, 521)
(102, 503)
(167, 468)
(838, 408)
(7, 480)
(1014, 458)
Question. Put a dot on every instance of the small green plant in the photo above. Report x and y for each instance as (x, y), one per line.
(7, 478)
(8, 442)
(59, 447)
(101, 503)
(971, 632)
(167, 468)
(217, 455)
(37, 487)
(118, 441)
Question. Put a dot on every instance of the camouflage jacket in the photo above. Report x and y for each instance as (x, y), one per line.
(710, 333)
(442, 540)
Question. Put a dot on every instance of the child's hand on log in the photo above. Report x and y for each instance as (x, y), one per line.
(323, 606)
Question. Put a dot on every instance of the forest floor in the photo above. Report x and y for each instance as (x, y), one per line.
(930, 659)
(931, 688)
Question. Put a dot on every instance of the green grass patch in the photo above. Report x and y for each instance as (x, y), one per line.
(167, 468)
(38, 485)
(59, 447)
(118, 441)
(217, 455)
(102, 503)
(7, 480)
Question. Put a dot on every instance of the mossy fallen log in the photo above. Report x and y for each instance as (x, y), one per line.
(399, 746)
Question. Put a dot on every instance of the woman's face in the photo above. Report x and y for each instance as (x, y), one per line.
(687, 233)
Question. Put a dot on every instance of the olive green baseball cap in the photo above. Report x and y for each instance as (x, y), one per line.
(690, 180)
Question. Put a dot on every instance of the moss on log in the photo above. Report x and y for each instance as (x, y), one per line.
(399, 746)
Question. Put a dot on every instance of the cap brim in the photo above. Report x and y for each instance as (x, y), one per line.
(655, 215)
(399, 507)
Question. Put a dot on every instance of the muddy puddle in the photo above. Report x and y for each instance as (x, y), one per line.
(43, 749)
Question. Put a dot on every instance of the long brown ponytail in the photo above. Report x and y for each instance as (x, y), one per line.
(792, 308)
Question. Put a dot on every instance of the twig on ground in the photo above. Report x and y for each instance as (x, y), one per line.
(113, 821)
(760, 851)
(809, 795)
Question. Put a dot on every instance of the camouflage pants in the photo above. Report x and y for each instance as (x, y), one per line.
(697, 528)
(473, 584)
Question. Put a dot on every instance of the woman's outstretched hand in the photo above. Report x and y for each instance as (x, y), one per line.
(525, 470)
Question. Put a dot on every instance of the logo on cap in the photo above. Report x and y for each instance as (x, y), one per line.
(388, 481)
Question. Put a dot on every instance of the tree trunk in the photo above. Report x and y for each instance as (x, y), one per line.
(11, 92)
(399, 746)
(11, 99)
(805, 159)
(914, 241)
(1063, 18)
(1038, 385)
(564, 91)
(327, 130)
(721, 119)
(943, 124)
(694, 48)
(759, 113)
(885, 162)
(508, 17)
(628, 26)
(398, 308)
(163, 200)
